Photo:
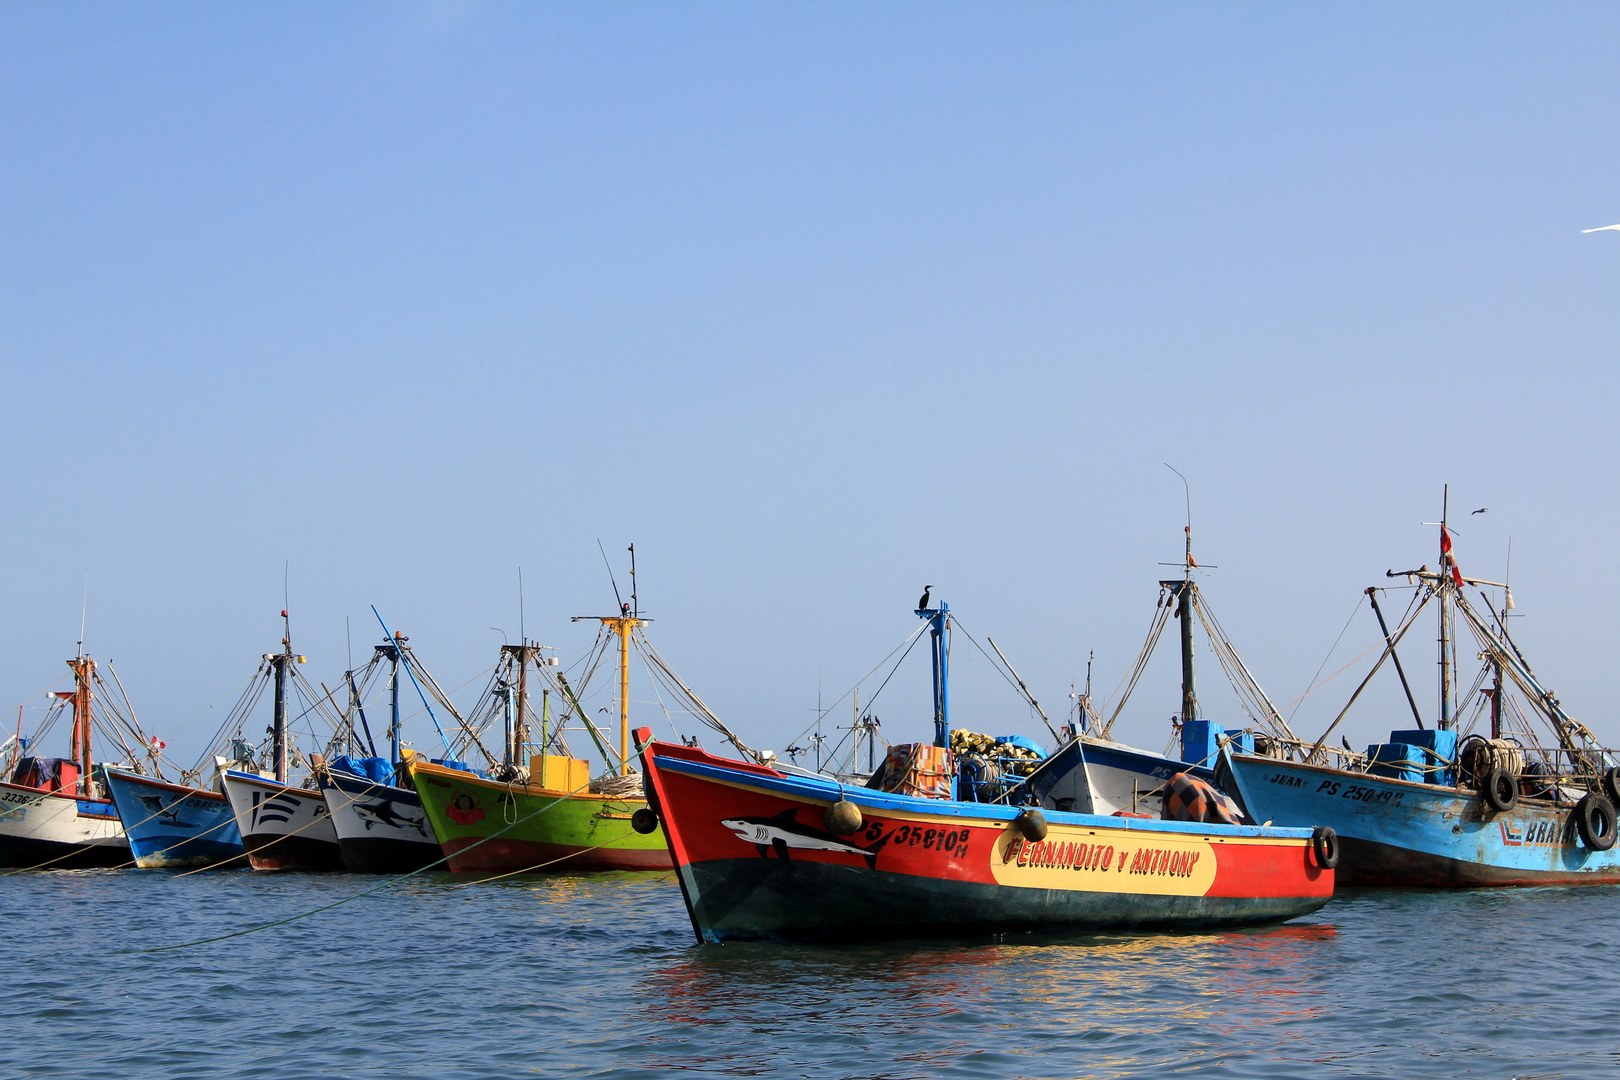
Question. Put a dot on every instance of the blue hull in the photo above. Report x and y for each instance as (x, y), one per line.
(1396, 832)
(173, 826)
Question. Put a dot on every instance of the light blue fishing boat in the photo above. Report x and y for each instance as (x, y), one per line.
(1447, 805)
(169, 825)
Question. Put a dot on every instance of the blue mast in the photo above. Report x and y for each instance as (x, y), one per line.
(939, 617)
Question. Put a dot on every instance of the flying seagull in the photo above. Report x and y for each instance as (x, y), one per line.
(1603, 228)
(1481, 510)
(922, 605)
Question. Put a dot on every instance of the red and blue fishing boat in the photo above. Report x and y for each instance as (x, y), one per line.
(766, 854)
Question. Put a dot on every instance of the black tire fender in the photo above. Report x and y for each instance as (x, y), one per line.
(1595, 821)
(1325, 846)
(1501, 790)
(1611, 785)
(644, 820)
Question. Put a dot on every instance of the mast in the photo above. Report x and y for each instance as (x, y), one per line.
(1189, 692)
(622, 624)
(82, 667)
(278, 722)
(939, 618)
(1445, 611)
(393, 701)
(517, 715)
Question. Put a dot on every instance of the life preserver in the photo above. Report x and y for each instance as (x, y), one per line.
(1501, 790)
(1325, 845)
(1594, 819)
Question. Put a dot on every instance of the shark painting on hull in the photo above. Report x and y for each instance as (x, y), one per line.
(783, 832)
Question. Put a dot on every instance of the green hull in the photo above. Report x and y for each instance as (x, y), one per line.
(488, 826)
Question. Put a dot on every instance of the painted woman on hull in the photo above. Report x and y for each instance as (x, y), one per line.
(1528, 799)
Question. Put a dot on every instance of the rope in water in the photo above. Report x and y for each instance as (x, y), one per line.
(540, 866)
(364, 892)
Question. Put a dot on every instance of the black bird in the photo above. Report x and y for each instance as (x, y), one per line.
(922, 605)
(1481, 510)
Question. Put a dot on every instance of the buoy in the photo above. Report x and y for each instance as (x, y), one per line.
(842, 818)
(1032, 824)
(644, 820)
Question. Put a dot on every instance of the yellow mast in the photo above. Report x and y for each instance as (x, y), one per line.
(621, 625)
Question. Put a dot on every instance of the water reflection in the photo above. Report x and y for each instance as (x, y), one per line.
(930, 1002)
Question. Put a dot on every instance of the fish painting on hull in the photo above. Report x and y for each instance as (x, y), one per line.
(783, 832)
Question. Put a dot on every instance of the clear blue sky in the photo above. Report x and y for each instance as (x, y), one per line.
(816, 304)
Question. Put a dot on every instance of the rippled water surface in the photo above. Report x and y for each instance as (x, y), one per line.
(597, 976)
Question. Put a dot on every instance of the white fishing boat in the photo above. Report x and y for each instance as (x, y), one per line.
(53, 813)
(284, 823)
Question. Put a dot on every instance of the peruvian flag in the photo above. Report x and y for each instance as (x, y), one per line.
(1445, 554)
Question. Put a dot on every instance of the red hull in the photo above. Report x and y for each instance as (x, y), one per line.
(756, 862)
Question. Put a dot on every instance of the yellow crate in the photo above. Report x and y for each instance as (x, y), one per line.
(556, 773)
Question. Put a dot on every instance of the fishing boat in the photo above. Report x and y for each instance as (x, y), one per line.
(53, 813)
(547, 813)
(283, 826)
(1530, 800)
(1095, 773)
(765, 854)
(173, 825)
(375, 810)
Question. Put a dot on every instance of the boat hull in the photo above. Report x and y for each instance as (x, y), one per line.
(58, 831)
(282, 828)
(1096, 776)
(381, 829)
(488, 826)
(1400, 833)
(756, 863)
(172, 826)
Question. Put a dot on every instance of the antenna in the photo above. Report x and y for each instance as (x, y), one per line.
(84, 610)
(1187, 487)
(635, 605)
(609, 566)
(349, 640)
(522, 630)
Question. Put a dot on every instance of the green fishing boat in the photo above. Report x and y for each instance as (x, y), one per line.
(550, 815)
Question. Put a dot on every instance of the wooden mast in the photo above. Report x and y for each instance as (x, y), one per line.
(82, 667)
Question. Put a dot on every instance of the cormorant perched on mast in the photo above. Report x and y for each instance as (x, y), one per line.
(922, 605)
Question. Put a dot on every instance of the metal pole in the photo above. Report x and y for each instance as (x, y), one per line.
(1372, 595)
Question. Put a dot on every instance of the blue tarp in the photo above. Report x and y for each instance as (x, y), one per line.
(1027, 744)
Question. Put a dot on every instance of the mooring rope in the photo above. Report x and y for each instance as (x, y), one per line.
(363, 892)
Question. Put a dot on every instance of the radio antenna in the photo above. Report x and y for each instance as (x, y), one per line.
(616, 598)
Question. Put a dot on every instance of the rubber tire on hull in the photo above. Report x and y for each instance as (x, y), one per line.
(1594, 818)
(1501, 790)
(1611, 785)
(1325, 846)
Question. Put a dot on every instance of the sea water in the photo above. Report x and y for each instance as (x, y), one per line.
(598, 976)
